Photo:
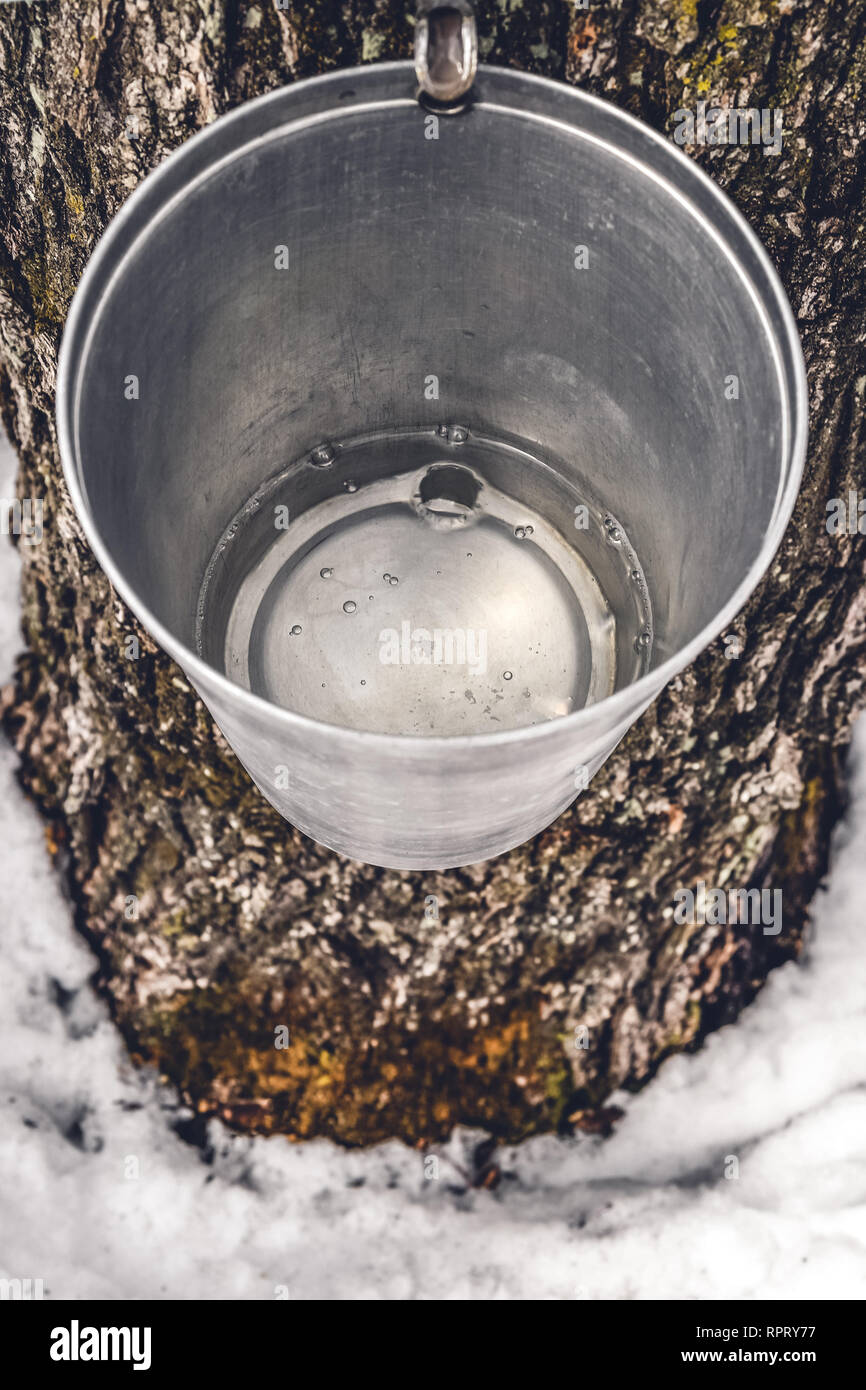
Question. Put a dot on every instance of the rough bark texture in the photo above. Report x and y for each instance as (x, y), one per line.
(401, 1026)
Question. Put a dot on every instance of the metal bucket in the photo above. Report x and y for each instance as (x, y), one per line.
(431, 447)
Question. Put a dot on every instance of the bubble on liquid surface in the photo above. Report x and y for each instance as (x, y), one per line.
(326, 572)
(349, 486)
(507, 675)
(323, 456)
(349, 606)
(296, 630)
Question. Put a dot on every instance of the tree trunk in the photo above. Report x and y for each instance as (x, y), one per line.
(399, 1026)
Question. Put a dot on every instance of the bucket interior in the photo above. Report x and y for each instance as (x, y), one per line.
(430, 435)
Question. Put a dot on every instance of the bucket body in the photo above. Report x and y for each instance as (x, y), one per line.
(430, 447)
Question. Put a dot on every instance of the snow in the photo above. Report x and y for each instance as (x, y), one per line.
(648, 1213)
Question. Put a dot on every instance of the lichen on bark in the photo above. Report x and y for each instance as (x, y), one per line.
(398, 1025)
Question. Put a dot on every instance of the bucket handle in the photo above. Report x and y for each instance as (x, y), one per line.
(446, 53)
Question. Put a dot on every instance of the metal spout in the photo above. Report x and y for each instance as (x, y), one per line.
(446, 53)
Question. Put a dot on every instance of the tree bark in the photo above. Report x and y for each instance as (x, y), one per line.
(398, 1026)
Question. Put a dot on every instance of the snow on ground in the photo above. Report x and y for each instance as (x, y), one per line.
(646, 1214)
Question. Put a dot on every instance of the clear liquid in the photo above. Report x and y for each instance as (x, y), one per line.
(428, 583)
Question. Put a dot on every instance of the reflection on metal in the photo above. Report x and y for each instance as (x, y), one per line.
(446, 53)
